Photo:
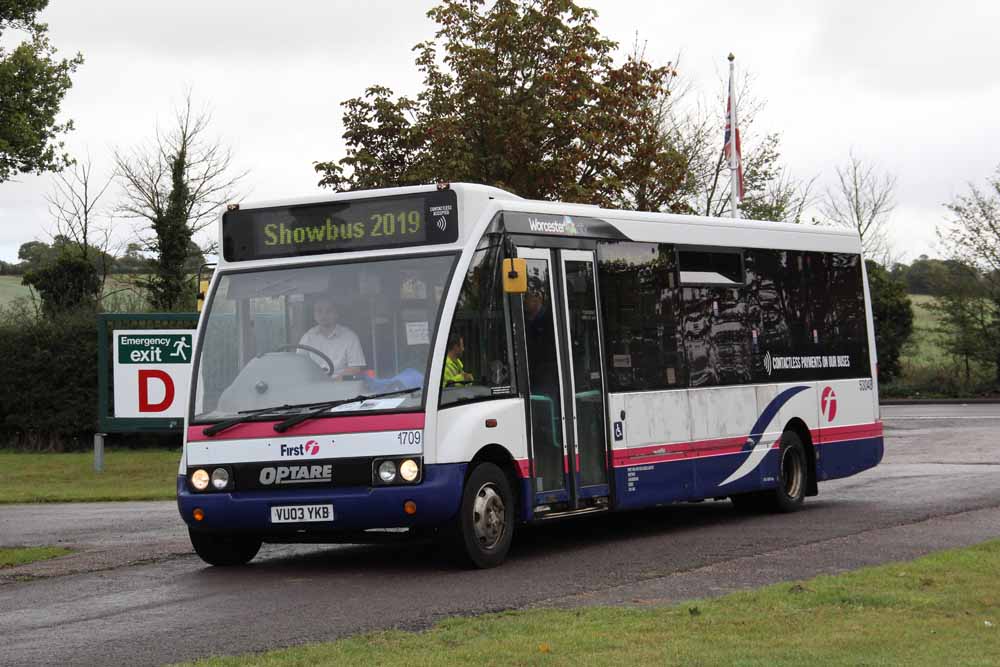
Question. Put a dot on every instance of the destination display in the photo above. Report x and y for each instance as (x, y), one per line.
(424, 218)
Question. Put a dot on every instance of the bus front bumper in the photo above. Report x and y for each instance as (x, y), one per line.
(437, 499)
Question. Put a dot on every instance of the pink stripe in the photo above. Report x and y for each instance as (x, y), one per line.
(324, 426)
(704, 448)
(852, 432)
(524, 468)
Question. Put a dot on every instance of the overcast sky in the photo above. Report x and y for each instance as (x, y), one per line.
(910, 85)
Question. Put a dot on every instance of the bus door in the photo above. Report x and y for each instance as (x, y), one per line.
(585, 374)
(565, 379)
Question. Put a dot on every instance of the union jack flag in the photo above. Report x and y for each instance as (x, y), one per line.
(728, 147)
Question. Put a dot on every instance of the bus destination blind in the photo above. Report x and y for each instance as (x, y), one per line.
(424, 218)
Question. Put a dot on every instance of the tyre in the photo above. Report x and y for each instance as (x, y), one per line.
(224, 550)
(793, 475)
(485, 523)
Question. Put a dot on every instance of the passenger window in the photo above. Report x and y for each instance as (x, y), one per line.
(639, 300)
(710, 267)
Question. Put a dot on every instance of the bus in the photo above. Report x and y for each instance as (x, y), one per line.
(452, 362)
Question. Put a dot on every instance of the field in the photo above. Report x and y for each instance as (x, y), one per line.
(927, 370)
(11, 288)
(145, 474)
(118, 297)
(941, 609)
(925, 345)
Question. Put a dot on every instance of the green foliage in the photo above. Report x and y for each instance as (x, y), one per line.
(50, 396)
(169, 284)
(974, 238)
(32, 86)
(893, 316)
(966, 315)
(523, 95)
(69, 283)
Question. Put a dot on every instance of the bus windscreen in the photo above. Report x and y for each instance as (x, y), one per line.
(424, 218)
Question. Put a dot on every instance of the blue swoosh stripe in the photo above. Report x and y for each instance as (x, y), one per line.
(764, 420)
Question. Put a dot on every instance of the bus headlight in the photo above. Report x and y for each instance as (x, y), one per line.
(409, 470)
(199, 479)
(220, 478)
(387, 471)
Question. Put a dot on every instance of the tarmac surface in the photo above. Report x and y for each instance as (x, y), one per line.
(134, 594)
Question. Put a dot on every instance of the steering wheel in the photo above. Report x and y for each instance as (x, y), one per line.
(309, 348)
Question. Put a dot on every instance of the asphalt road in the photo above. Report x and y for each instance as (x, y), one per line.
(938, 487)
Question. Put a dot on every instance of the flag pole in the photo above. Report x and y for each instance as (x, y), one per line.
(733, 157)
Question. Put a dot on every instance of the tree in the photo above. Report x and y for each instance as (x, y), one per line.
(177, 185)
(33, 83)
(523, 95)
(34, 254)
(862, 200)
(927, 275)
(74, 204)
(893, 315)
(69, 283)
(132, 260)
(974, 238)
(965, 314)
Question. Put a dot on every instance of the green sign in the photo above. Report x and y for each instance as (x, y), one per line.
(154, 348)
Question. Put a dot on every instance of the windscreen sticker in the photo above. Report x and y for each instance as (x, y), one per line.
(373, 404)
(418, 333)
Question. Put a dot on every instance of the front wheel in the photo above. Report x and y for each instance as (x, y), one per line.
(224, 550)
(485, 522)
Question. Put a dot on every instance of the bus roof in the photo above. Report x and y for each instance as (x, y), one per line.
(480, 203)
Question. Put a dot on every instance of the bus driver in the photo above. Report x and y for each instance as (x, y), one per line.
(334, 340)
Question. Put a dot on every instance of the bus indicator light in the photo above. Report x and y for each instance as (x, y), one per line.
(198, 514)
(410, 507)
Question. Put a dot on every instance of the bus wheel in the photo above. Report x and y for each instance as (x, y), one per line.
(224, 550)
(486, 518)
(792, 475)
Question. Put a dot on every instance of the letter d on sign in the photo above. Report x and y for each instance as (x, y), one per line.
(145, 376)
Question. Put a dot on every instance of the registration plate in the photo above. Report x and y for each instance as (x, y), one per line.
(301, 513)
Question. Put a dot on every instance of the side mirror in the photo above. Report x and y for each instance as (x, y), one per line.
(515, 276)
(202, 293)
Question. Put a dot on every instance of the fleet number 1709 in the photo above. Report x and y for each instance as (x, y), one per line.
(410, 437)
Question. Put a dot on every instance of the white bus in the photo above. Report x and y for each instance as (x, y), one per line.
(367, 364)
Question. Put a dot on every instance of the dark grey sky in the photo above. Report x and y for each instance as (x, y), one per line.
(910, 85)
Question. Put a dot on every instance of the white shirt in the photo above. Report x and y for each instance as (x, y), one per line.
(342, 346)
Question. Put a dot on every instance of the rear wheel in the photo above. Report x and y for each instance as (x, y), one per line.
(792, 475)
(485, 522)
(224, 550)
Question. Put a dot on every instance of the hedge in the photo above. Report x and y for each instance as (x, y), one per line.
(48, 399)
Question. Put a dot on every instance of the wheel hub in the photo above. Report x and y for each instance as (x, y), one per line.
(489, 516)
(791, 473)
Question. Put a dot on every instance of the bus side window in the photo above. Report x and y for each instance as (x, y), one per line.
(477, 363)
(641, 311)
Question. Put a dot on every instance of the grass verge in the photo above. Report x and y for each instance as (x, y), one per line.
(142, 474)
(941, 609)
(14, 556)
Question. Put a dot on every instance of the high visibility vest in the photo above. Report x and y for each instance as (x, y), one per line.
(454, 371)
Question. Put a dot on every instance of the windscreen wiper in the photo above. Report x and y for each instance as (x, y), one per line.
(281, 427)
(247, 415)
